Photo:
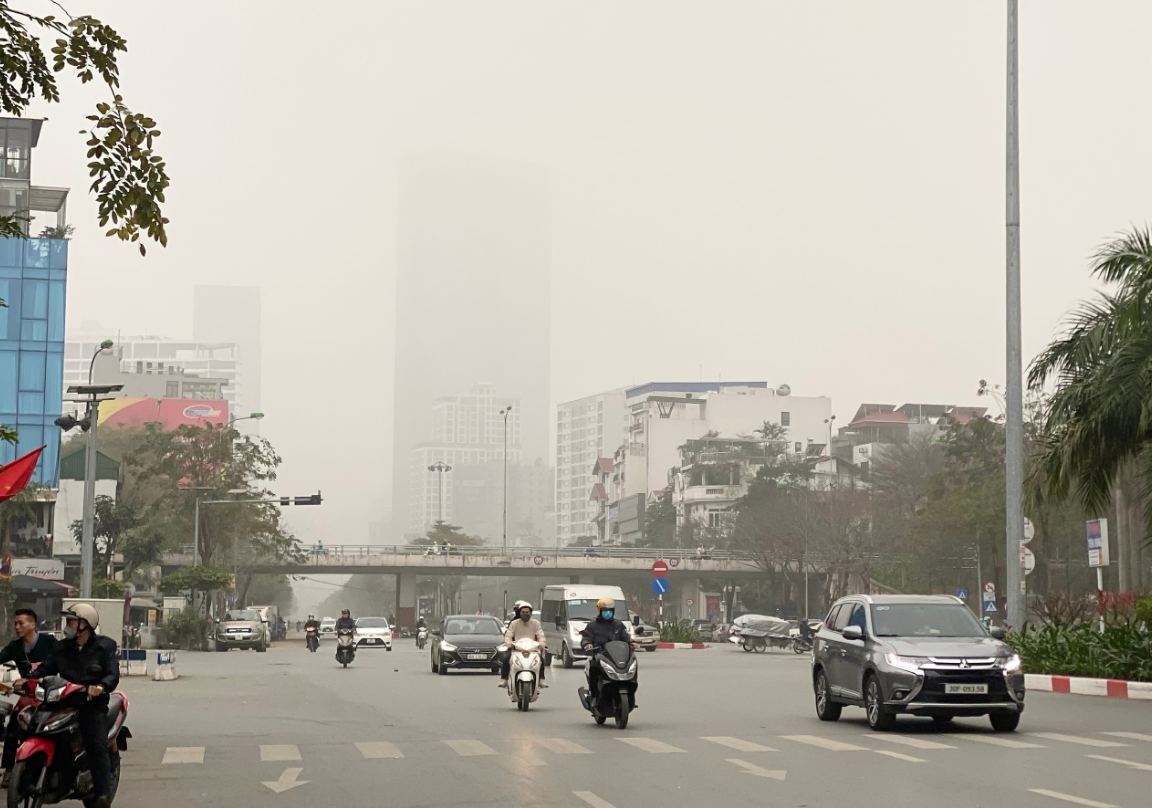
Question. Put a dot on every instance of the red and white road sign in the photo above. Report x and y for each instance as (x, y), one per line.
(660, 569)
(990, 586)
(688, 602)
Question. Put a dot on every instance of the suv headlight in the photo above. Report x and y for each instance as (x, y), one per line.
(1010, 664)
(447, 646)
(903, 663)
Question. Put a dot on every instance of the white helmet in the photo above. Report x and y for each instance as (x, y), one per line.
(86, 612)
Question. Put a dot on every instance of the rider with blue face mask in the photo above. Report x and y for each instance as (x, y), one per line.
(601, 631)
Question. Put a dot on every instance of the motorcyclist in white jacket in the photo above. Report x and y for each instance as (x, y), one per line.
(523, 626)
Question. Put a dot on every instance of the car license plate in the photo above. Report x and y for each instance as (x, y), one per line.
(477, 656)
(965, 690)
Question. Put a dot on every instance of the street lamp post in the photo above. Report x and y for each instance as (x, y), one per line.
(506, 412)
(440, 467)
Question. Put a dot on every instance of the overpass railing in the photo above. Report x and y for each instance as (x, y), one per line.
(653, 553)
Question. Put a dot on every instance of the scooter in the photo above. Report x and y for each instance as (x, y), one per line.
(51, 765)
(421, 637)
(311, 639)
(345, 646)
(524, 672)
(617, 666)
(801, 644)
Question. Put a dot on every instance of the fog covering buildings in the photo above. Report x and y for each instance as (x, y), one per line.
(473, 300)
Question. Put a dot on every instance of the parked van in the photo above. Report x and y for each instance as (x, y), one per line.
(565, 612)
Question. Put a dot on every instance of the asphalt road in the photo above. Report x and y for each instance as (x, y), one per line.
(714, 727)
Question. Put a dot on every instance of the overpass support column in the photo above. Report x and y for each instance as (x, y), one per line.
(575, 580)
(406, 599)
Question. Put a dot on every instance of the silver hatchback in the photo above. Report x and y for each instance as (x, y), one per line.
(924, 655)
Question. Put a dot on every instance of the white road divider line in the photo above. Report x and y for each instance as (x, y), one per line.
(738, 744)
(751, 768)
(378, 750)
(593, 800)
(1056, 795)
(996, 740)
(1056, 736)
(471, 748)
(898, 755)
(183, 754)
(563, 746)
(909, 740)
(651, 745)
(1132, 736)
(287, 781)
(288, 751)
(1144, 767)
(824, 743)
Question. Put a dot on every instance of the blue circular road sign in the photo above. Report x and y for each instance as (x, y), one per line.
(659, 585)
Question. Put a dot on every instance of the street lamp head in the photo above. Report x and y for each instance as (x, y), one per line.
(256, 416)
(106, 344)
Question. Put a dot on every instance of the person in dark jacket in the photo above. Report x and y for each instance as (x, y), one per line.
(29, 648)
(598, 633)
(86, 658)
(345, 621)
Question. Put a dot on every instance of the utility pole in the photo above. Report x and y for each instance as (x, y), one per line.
(1014, 425)
(440, 467)
(506, 412)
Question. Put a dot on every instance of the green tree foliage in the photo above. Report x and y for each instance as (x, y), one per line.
(108, 588)
(112, 518)
(660, 522)
(129, 177)
(196, 579)
(443, 532)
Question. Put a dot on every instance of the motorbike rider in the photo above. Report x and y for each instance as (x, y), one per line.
(312, 622)
(345, 623)
(522, 626)
(29, 647)
(598, 633)
(86, 658)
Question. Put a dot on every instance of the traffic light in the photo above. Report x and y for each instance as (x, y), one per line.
(315, 499)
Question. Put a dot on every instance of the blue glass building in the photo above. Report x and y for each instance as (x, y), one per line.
(33, 285)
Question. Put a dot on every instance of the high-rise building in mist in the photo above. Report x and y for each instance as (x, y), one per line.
(473, 298)
(232, 314)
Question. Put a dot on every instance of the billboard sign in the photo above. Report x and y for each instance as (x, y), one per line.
(49, 568)
(171, 412)
(1097, 542)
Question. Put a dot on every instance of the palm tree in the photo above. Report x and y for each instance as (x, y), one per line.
(1096, 440)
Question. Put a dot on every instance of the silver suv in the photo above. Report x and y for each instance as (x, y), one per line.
(242, 628)
(924, 655)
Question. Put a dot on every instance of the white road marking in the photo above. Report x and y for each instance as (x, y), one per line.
(738, 744)
(288, 751)
(1056, 736)
(287, 781)
(562, 746)
(1132, 736)
(471, 748)
(183, 754)
(909, 740)
(1144, 767)
(751, 768)
(377, 750)
(651, 745)
(898, 755)
(996, 740)
(824, 743)
(593, 800)
(1056, 795)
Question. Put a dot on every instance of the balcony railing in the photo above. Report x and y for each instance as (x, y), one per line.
(712, 493)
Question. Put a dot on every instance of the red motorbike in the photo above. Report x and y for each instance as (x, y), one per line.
(51, 765)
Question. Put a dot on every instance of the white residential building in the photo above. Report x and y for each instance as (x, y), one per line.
(586, 429)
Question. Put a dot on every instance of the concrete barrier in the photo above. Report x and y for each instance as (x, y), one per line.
(1084, 686)
(165, 670)
(134, 662)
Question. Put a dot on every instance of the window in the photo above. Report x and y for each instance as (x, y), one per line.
(830, 620)
(842, 616)
(715, 518)
(799, 448)
(856, 618)
(171, 389)
(785, 419)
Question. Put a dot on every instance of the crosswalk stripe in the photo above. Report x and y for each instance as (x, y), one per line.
(996, 740)
(650, 745)
(287, 751)
(1056, 736)
(1132, 736)
(898, 755)
(471, 748)
(1069, 798)
(593, 800)
(824, 743)
(738, 744)
(909, 740)
(563, 746)
(183, 754)
(377, 750)
(1144, 767)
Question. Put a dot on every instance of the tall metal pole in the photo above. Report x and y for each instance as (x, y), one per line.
(196, 535)
(440, 475)
(1014, 426)
(89, 529)
(506, 412)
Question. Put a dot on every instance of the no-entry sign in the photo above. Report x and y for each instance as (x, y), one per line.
(660, 569)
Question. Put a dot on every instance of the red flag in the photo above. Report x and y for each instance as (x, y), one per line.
(16, 474)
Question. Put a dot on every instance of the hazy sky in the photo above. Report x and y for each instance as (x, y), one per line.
(801, 192)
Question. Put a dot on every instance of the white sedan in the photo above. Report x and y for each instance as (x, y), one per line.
(373, 632)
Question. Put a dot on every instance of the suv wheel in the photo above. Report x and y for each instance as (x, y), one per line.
(826, 710)
(1004, 722)
(879, 718)
(566, 656)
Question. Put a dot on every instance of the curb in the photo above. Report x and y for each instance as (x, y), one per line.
(1083, 686)
(681, 645)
